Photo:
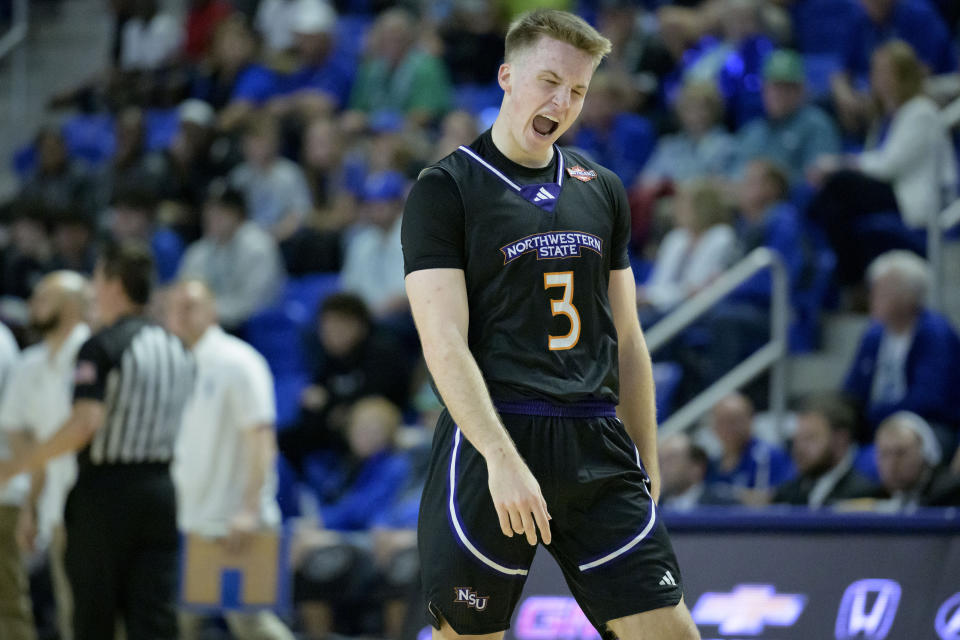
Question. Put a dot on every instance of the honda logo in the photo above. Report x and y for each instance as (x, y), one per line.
(867, 610)
(748, 609)
(948, 619)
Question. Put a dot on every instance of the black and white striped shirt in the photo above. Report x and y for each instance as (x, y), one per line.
(144, 376)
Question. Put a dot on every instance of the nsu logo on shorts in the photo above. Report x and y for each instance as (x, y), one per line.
(469, 597)
(868, 610)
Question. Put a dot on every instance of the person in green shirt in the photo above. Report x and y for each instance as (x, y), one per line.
(399, 76)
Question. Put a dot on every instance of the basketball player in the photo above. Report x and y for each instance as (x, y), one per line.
(520, 285)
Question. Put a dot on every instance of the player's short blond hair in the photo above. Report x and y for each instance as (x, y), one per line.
(566, 27)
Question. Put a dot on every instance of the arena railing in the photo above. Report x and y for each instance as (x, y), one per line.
(771, 356)
(11, 45)
(937, 228)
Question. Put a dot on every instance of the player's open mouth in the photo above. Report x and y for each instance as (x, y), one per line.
(545, 125)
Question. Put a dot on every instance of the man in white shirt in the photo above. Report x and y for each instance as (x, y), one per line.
(373, 264)
(224, 463)
(237, 259)
(16, 619)
(36, 401)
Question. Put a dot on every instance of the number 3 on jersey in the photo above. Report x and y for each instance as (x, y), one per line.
(563, 306)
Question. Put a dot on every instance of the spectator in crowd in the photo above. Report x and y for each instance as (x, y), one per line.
(823, 453)
(276, 191)
(612, 135)
(702, 147)
(189, 162)
(638, 51)
(907, 357)
(134, 219)
(36, 402)
(748, 467)
(320, 85)
(733, 61)
(152, 38)
(231, 80)
(235, 257)
(909, 165)
(16, 617)
(276, 21)
(322, 159)
(792, 133)
(132, 166)
(741, 324)
(472, 43)
(697, 250)
(72, 241)
(373, 263)
(397, 75)
(373, 475)
(916, 23)
(203, 18)
(59, 182)
(351, 359)
(28, 255)
(683, 469)
(224, 465)
(457, 128)
(908, 460)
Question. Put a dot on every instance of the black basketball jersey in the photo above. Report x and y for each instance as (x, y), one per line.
(536, 247)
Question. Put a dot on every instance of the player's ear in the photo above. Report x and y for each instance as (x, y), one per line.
(504, 77)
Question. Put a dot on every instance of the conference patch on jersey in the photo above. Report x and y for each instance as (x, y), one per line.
(552, 244)
(581, 174)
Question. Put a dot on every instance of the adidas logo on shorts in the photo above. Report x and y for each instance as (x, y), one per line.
(667, 580)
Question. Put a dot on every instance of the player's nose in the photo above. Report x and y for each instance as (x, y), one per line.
(561, 97)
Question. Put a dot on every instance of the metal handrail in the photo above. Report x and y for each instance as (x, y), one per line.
(17, 32)
(937, 226)
(770, 356)
(11, 42)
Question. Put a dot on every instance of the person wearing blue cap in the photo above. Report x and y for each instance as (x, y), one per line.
(373, 263)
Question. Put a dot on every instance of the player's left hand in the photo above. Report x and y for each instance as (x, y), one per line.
(242, 529)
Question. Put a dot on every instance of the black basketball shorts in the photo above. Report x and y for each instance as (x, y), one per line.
(608, 538)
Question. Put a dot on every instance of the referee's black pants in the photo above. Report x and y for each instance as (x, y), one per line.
(122, 552)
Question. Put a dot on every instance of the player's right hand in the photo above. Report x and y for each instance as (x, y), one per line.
(516, 495)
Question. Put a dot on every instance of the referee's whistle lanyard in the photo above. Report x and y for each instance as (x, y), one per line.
(544, 195)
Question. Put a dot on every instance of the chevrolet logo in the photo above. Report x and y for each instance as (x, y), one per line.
(748, 609)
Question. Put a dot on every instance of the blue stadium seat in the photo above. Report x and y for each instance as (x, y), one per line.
(162, 125)
(287, 389)
(822, 26)
(804, 331)
(477, 97)
(304, 295)
(666, 377)
(90, 137)
(276, 334)
(866, 462)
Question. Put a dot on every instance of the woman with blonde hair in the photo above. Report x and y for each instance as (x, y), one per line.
(696, 251)
(908, 170)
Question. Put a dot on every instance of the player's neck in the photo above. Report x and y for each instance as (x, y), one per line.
(508, 146)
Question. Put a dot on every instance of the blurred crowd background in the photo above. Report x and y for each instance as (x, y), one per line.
(266, 147)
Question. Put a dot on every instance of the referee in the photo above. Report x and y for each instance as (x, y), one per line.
(131, 382)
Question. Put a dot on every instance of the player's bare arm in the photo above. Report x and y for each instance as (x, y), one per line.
(637, 407)
(438, 299)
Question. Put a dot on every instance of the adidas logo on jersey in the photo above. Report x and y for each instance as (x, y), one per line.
(667, 580)
(543, 194)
